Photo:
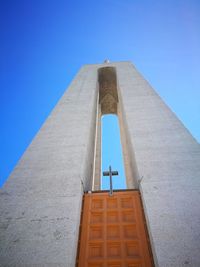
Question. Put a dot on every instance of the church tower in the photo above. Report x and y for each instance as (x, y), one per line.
(41, 203)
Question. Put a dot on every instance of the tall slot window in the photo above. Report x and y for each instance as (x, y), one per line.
(112, 152)
(110, 149)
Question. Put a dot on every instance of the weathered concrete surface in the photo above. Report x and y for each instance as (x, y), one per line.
(41, 201)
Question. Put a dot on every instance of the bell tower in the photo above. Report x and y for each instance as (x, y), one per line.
(41, 203)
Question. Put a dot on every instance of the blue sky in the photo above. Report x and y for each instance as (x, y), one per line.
(44, 43)
(112, 153)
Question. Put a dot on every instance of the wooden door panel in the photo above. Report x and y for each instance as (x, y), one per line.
(113, 231)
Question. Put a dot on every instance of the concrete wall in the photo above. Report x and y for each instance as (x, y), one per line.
(41, 201)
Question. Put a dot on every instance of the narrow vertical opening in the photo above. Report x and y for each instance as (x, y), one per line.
(112, 152)
(110, 149)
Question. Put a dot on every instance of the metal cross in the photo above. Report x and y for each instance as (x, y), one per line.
(110, 173)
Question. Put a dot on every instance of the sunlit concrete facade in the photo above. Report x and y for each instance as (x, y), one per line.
(41, 201)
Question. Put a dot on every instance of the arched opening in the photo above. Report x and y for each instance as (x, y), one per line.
(109, 104)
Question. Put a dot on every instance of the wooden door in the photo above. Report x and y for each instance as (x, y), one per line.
(113, 232)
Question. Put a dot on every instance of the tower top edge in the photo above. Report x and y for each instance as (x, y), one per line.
(106, 63)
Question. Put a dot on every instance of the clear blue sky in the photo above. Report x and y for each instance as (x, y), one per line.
(44, 43)
(112, 152)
